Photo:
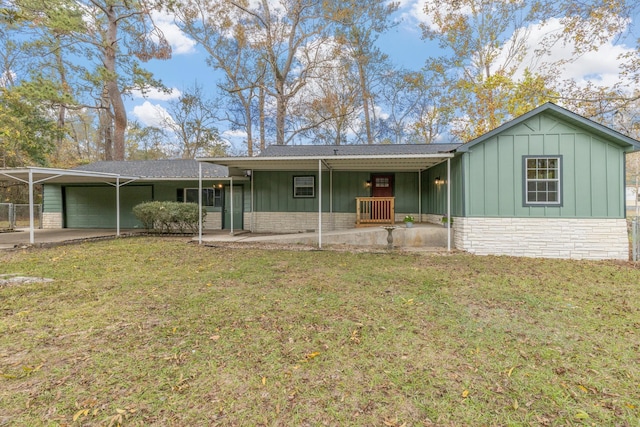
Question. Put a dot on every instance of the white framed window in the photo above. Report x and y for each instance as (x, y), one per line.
(542, 180)
(210, 196)
(304, 186)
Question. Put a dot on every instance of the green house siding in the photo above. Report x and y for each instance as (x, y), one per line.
(273, 191)
(95, 207)
(592, 172)
(434, 199)
(52, 199)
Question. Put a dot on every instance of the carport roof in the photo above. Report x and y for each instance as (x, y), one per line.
(380, 157)
(40, 175)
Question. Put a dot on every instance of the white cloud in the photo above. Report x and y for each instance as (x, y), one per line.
(601, 66)
(180, 43)
(237, 133)
(157, 95)
(151, 114)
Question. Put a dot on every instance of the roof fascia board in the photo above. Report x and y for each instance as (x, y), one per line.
(230, 160)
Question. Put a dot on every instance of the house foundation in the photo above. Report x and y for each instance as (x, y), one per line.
(569, 238)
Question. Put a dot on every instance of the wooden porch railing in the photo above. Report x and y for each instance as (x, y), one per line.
(375, 211)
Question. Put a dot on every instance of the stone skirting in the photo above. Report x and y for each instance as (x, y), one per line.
(294, 222)
(52, 220)
(571, 238)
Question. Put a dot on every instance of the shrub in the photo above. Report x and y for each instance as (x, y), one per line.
(168, 217)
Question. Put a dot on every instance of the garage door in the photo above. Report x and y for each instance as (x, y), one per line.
(95, 207)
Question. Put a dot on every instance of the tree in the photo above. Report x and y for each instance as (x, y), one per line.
(145, 142)
(27, 136)
(359, 24)
(192, 120)
(486, 43)
(218, 28)
(87, 49)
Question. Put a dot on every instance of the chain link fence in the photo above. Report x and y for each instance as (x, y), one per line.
(17, 216)
(6, 216)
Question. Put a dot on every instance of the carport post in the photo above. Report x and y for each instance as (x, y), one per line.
(199, 203)
(31, 234)
(118, 206)
(231, 195)
(449, 205)
(319, 204)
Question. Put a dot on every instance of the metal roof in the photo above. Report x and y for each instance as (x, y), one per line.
(379, 158)
(166, 169)
(40, 175)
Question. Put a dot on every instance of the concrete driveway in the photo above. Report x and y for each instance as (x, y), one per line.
(20, 237)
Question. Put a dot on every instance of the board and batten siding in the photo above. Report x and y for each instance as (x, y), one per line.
(592, 172)
(273, 191)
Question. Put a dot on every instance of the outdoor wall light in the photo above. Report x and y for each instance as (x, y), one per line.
(367, 184)
(439, 181)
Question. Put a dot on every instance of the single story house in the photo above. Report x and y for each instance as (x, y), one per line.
(549, 183)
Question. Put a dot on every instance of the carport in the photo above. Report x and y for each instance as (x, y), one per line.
(39, 175)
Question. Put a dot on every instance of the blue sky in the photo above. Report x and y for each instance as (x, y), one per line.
(403, 44)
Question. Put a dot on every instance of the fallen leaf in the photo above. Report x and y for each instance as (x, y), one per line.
(581, 415)
(465, 393)
(214, 337)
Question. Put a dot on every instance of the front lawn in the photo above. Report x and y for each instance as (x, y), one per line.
(144, 331)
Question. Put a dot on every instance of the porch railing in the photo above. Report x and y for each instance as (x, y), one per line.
(375, 210)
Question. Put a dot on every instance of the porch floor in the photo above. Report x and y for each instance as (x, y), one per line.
(421, 235)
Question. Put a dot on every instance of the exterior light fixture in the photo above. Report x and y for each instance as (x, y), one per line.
(368, 183)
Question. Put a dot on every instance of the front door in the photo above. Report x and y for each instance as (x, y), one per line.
(382, 186)
(238, 207)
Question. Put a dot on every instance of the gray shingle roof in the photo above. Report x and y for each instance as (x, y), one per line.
(158, 169)
(355, 150)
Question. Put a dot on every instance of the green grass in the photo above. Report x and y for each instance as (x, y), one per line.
(161, 332)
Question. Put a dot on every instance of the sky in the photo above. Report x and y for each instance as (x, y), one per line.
(403, 44)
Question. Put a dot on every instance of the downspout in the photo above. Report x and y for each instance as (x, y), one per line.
(199, 203)
(449, 205)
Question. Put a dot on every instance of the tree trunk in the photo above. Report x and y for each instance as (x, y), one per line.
(261, 101)
(113, 91)
(365, 101)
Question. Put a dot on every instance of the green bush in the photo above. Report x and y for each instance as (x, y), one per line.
(169, 217)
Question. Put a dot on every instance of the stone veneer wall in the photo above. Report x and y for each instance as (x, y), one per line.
(572, 238)
(52, 220)
(293, 222)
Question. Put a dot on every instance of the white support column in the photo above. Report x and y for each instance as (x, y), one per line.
(199, 203)
(252, 196)
(319, 204)
(449, 205)
(231, 196)
(118, 207)
(420, 196)
(333, 227)
(31, 233)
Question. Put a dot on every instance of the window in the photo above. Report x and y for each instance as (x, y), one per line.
(543, 184)
(382, 182)
(210, 196)
(304, 186)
